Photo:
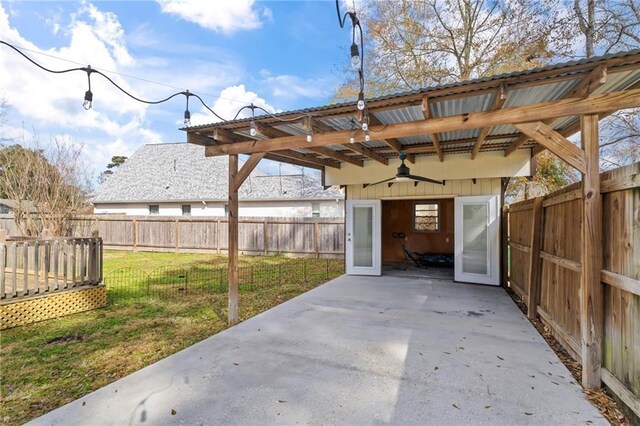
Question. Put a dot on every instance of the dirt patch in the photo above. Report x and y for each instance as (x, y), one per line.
(61, 340)
(599, 397)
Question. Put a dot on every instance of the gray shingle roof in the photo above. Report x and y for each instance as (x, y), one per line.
(181, 172)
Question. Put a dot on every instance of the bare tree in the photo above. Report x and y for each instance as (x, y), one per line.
(48, 186)
(607, 26)
(420, 43)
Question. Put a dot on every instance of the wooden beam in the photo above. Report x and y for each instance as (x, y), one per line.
(233, 241)
(310, 123)
(199, 139)
(367, 152)
(395, 144)
(536, 112)
(308, 158)
(555, 143)
(247, 168)
(281, 159)
(587, 85)
(225, 136)
(328, 152)
(434, 137)
(592, 295)
(498, 101)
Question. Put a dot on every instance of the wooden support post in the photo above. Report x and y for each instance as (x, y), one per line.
(236, 177)
(592, 298)
(534, 265)
(233, 240)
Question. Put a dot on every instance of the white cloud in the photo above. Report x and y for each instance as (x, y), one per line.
(231, 99)
(221, 16)
(293, 87)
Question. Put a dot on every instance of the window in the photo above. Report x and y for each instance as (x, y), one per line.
(426, 217)
(186, 210)
(154, 209)
(226, 210)
(315, 209)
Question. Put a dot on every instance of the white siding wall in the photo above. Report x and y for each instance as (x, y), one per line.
(460, 166)
(303, 208)
(425, 190)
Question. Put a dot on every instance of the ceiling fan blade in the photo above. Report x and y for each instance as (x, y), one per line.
(382, 181)
(424, 179)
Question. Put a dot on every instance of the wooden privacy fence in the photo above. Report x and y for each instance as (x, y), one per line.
(34, 267)
(546, 270)
(296, 236)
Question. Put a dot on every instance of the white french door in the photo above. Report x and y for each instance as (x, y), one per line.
(477, 237)
(363, 244)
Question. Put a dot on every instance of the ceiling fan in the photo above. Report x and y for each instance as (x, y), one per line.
(403, 175)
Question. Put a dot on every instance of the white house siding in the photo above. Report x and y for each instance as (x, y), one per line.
(452, 188)
(460, 166)
(303, 208)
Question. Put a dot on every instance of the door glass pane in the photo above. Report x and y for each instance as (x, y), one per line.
(363, 236)
(474, 238)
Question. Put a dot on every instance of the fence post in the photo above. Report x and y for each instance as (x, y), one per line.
(316, 242)
(134, 233)
(218, 236)
(265, 243)
(177, 230)
(36, 267)
(3, 272)
(537, 226)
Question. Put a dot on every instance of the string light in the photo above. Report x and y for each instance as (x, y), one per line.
(309, 136)
(357, 56)
(352, 139)
(187, 114)
(253, 129)
(367, 136)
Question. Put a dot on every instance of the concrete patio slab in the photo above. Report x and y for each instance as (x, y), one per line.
(358, 350)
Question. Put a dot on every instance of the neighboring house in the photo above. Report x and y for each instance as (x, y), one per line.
(177, 179)
(7, 206)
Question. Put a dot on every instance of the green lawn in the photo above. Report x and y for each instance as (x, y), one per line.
(48, 364)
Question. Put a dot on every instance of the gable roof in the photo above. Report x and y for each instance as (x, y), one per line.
(181, 172)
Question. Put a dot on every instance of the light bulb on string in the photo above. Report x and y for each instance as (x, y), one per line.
(352, 139)
(253, 129)
(187, 114)
(88, 100)
(361, 104)
(367, 137)
(355, 57)
(309, 137)
(365, 123)
(88, 95)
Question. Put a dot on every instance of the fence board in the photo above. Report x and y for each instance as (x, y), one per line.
(561, 269)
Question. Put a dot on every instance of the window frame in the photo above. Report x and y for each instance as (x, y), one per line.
(314, 212)
(157, 213)
(438, 216)
(182, 207)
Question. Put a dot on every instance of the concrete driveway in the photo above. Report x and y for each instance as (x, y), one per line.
(358, 350)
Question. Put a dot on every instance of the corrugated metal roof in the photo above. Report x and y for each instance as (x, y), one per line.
(426, 90)
(524, 88)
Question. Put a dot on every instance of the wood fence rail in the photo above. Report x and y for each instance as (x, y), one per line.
(319, 237)
(546, 272)
(35, 267)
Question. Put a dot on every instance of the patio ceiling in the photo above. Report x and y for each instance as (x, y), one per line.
(468, 117)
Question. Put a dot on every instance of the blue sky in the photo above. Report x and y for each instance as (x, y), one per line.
(281, 55)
